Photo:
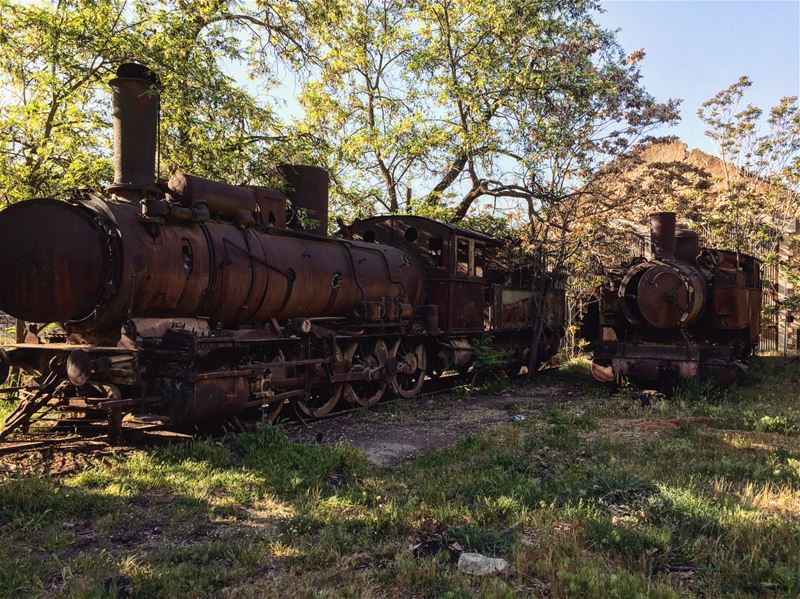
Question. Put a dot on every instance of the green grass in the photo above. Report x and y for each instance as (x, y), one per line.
(6, 407)
(597, 496)
(7, 334)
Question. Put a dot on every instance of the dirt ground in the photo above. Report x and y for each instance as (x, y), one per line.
(394, 432)
(389, 433)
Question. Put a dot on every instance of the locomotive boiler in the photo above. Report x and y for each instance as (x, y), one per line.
(191, 300)
(687, 312)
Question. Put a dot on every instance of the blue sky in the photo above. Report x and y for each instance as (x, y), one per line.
(694, 49)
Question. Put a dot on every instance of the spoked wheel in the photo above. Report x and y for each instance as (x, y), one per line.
(320, 402)
(366, 355)
(411, 359)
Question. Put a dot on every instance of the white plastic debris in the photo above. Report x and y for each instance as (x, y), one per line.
(480, 565)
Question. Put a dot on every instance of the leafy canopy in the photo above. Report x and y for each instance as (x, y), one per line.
(56, 60)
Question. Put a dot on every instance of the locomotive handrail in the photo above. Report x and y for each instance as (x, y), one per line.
(226, 241)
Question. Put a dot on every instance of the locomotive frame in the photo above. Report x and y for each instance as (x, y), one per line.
(193, 300)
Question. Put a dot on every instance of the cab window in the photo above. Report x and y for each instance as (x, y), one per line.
(480, 260)
(462, 256)
(436, 251)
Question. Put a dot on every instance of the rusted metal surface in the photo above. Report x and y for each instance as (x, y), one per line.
(56, 261)
(228, 276)
(136, 104)
(689, 312)
(197, 301)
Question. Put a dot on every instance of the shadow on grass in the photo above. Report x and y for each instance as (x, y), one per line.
(168, 521)
(575, 508)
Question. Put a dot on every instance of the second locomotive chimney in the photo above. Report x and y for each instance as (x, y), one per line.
(662, 235)
(136, 107)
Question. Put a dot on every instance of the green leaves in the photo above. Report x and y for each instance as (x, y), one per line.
(756, 196)
(467, 99)
(448, 106)
(56, 60)
(50, 61)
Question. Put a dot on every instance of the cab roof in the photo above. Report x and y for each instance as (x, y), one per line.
(422, 222)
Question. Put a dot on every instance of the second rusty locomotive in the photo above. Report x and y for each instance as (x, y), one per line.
(193, 300)
(685, 312)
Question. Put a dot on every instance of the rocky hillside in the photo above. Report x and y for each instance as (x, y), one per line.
(677, 152)
(701, 188)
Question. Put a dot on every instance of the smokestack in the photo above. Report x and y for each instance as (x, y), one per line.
(308, 191)
(136, 107)
(662, 235)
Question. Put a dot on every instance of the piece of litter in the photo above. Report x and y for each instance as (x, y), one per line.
(517, 418)
(480, 565)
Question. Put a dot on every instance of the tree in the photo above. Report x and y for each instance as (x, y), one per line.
(444, 107)
(423, 96)
(51, 60)
(466, 102)
(363, 103)
(565, 146)
(56, 59)
(761, 176)
(741, 201)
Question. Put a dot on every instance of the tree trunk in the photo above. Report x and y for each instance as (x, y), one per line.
(538, 329)
(391, 186)
(456, 168)
(466, 203)
(536, 337)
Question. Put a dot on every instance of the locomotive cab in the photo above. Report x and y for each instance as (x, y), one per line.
(456, 264)
(474, 293)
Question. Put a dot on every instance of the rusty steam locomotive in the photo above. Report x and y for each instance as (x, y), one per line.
(194, 300)
(686, 312)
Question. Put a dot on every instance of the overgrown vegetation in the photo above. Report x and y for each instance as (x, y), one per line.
(7, 335)
(594, 496)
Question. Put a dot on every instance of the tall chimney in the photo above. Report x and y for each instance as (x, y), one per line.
(136, 106)
(662, 235)
(308, 191)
